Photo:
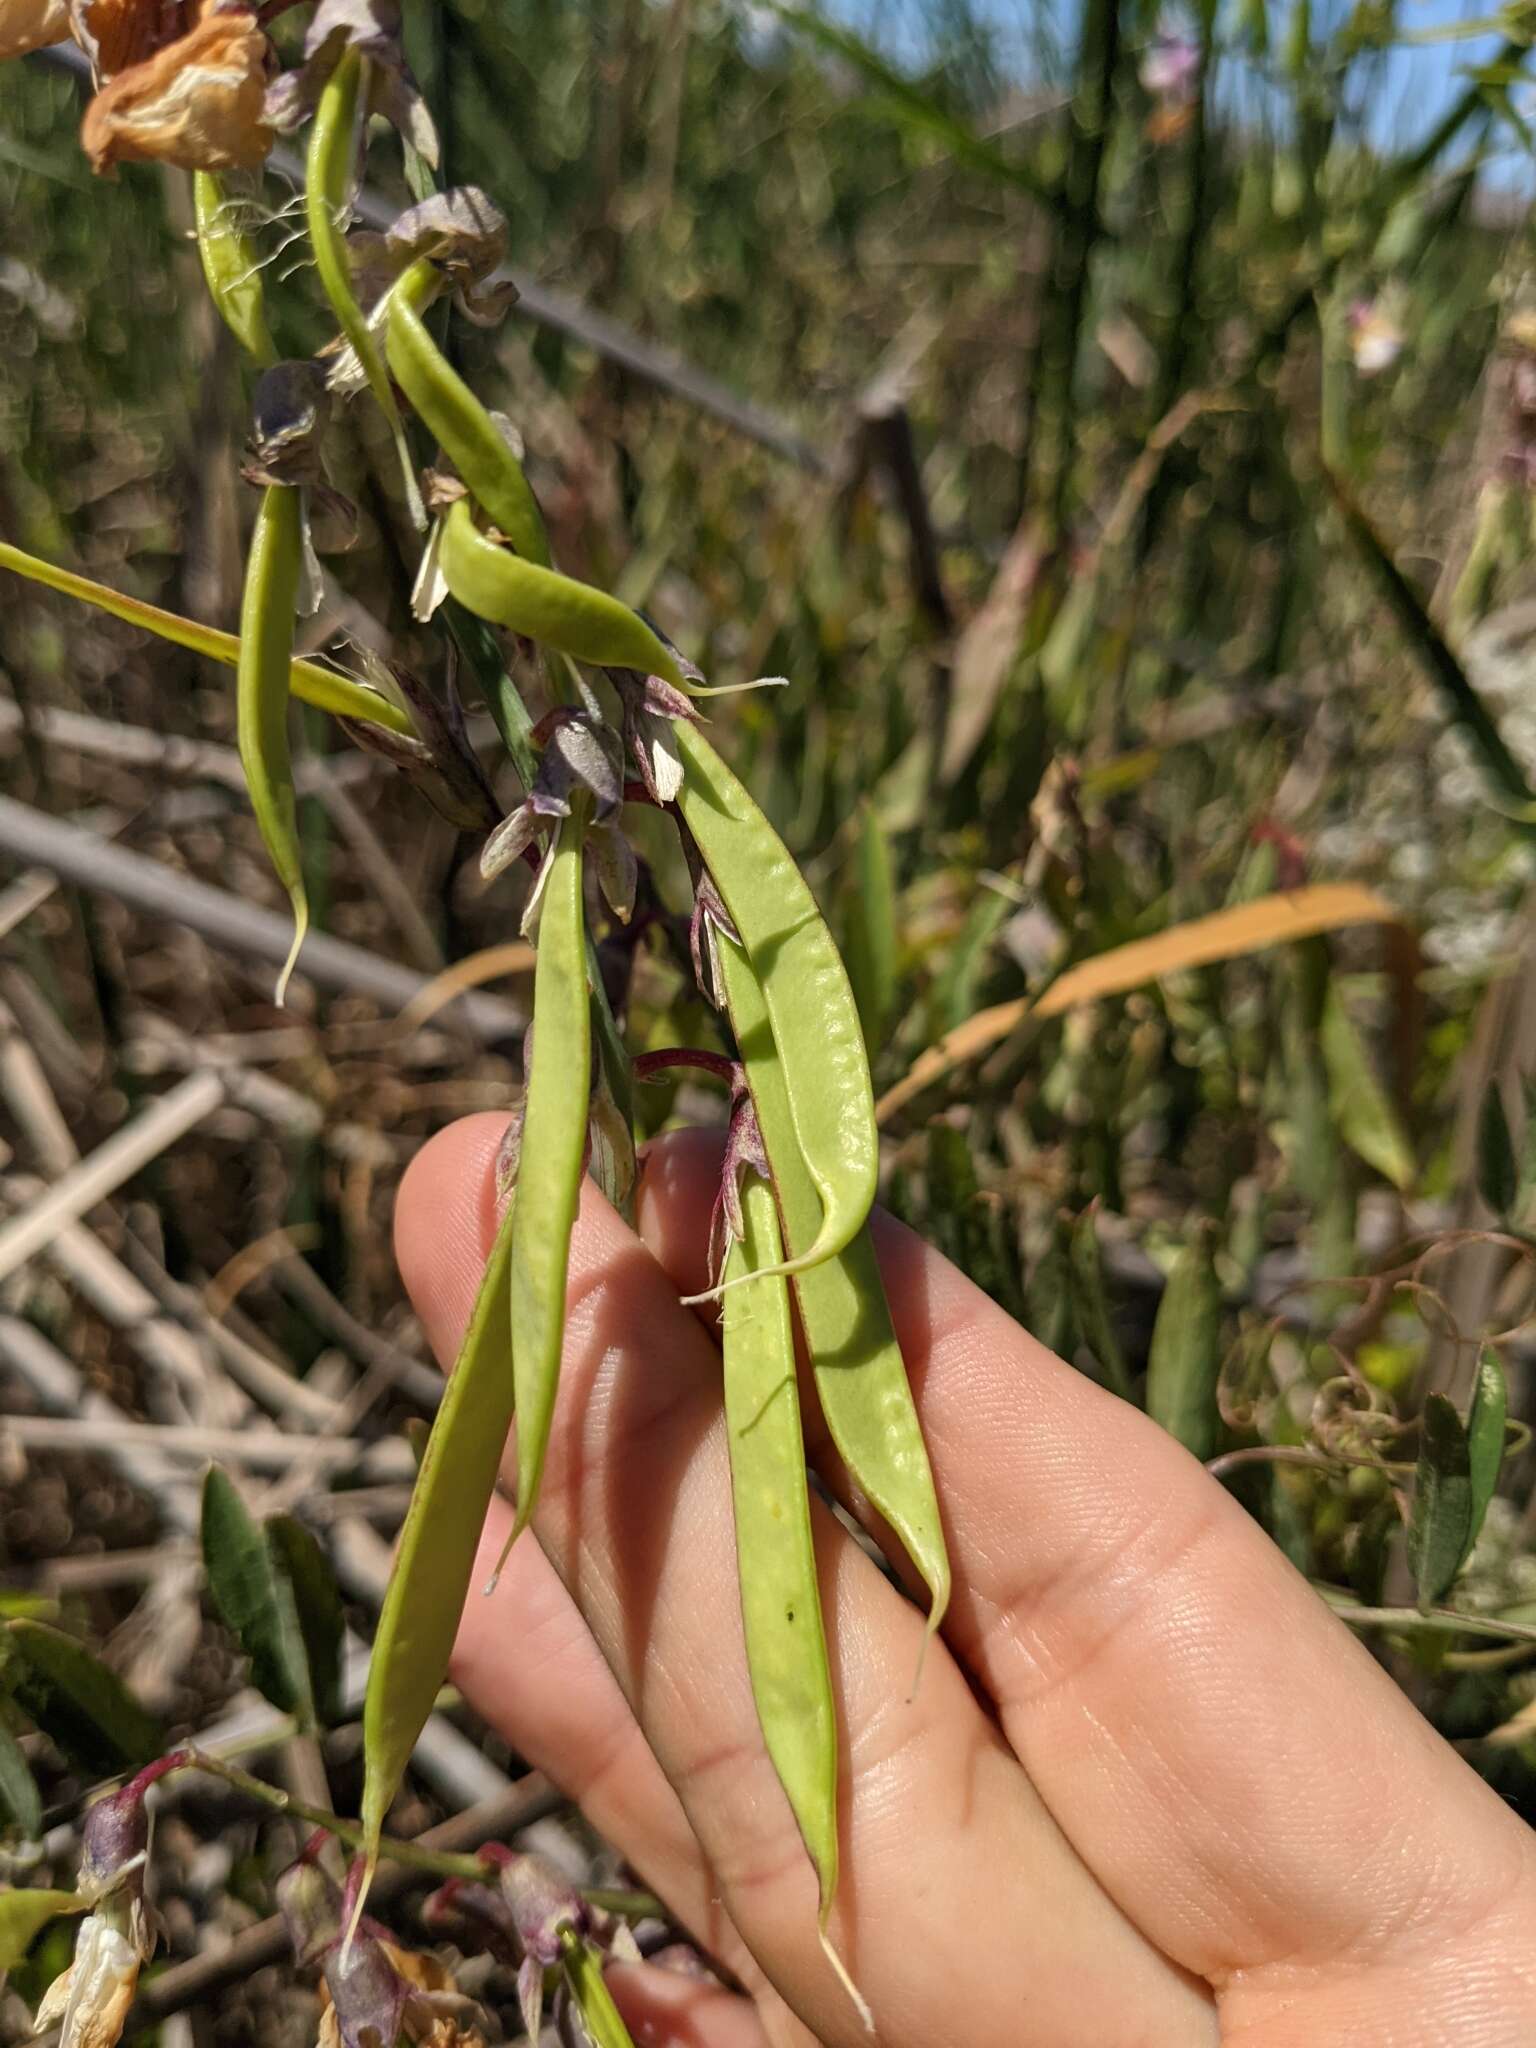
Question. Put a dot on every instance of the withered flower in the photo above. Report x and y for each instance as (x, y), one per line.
(115, 34)
(32, 25)
(90, 2001)
(197, 102)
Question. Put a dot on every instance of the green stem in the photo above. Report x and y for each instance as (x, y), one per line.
(584, 1974)
(1439, 1620)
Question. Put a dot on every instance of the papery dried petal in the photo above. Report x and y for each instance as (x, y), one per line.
(196, 103)
(115, 34)
(509, 841)
(32, 25)
(90, 2001)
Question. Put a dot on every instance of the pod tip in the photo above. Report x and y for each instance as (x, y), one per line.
(856, 1997)
(300, 933)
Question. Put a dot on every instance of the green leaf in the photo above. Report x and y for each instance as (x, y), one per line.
(1184, 1363)
(909, 105)
(24, 1915)
(1498, 1175)
(872, 932)
(18, 1788)
(1440, 1528)
(79, 1703)
(1362, 1113)
(1091, 1302)
(317, 1604)
(1485, 1435)
(253, 1598)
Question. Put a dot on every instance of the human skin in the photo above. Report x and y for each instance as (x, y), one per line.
(1148, 1792)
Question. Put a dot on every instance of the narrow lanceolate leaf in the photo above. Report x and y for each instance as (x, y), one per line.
(427, 1587)
(1184, 1363)
(1458, 695)
(1362, 1113)
(550, 1167)
(1090, 1299)
(1485, 1435)
(1440, 1529)
(253, 1598)
(861, 1379)
(317, 1609)
(20, 1806)
(24, 1915)
(1498, 1172)
(872, 932)
(321, 687)
(83, 1707)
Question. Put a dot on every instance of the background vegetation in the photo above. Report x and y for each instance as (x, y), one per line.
(1136, 489)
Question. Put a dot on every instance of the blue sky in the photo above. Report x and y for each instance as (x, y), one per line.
(1401, 96)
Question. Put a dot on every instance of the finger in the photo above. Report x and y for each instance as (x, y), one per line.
(524, 1657)
(1233, 1765)
(942, 1831)
(663, 2009)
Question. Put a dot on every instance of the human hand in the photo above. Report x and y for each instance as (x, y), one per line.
(1149, 1792)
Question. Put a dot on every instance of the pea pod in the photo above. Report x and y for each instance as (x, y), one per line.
(573, 618)
(553, 1152)
(267, 607)
(321, 687)
(775, 1554)
(327, 202)
(229, 265)
(861, 1380)
(812, 1014)
(458, 422)
(427, 1587)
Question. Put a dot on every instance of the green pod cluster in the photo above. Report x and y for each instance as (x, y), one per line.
(814, 1021)
(267, 611)
(861, 1379)
(457, 421)
(571, 617)
(426, 1590)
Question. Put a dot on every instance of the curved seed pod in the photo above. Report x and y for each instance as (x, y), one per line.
(327, 199)
(571, 617)
(814, 1019)
(775, 1554)
(458, 422)
(427, 1587)
(272, 572)
(321, 687)
(229, 265)
(861, 1380)
(553, 1157)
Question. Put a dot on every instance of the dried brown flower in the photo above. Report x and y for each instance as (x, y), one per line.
(197, 102)
(31, 25)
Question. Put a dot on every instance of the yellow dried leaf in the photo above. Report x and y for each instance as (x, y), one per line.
(1226, 935)
(196, 103)
(31, 25)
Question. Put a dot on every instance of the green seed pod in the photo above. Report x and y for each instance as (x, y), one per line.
(272, 572)
(230, 266)
(861, 1380)
(573, 618)
(814, 1020)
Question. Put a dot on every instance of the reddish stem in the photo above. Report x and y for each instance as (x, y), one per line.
(648, 1064)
